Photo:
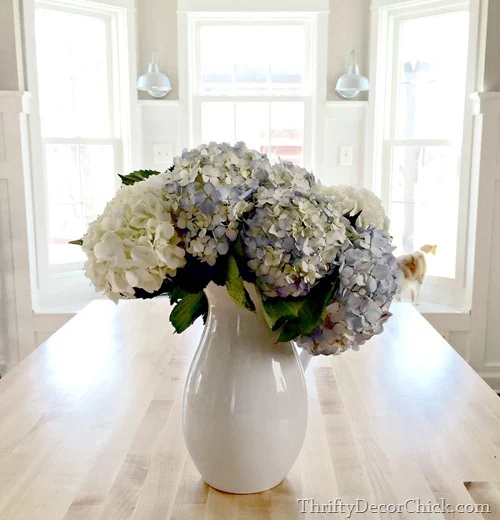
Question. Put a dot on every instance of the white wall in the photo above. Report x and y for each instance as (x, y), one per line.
(157, 30)
(348, 29)
(485, 325)
(492, 54)
(11, 70)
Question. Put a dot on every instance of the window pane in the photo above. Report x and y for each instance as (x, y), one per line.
(252, 125)
(275, 128)
(217, 122)
(432, 76)
(419, 212)
(65, 224)
(73, 72)
(80, 181)
(258, 59)
(287, 132)
(97, 170)
(63, 176)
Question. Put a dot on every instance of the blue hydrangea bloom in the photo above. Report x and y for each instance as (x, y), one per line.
(368, 283)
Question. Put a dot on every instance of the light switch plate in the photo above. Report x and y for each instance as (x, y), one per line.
(345, 155)
(163, 153)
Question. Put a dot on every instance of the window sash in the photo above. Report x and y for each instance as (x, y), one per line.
(111, 64)
(307, 147)
(390, 147)
(444, 289)
(199, 23)
(113, 97)
(412, 13)
(68, 267)
(57, 285)
(197, 98)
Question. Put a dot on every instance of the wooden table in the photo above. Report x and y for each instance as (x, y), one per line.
(90, 426)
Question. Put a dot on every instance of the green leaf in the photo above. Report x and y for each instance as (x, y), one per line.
(168, 287)
(185, 313)
(300, 316)
(289, 331)
(78, 242)
(278, 311)
(190, 279)
(245, 272)
(235, 286)
(196, 275)
(238, 247)
(352, 218)
(177, 294)
(137, 176)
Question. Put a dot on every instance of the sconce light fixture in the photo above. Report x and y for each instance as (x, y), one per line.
(154, 82)
(351, 84)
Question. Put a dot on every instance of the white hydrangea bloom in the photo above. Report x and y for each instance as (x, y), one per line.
(133, 244)
(352, 200)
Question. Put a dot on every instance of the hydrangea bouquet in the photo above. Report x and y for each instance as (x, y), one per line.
(320, 257)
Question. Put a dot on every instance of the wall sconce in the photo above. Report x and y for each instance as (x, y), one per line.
(154, 82)
(351, 84)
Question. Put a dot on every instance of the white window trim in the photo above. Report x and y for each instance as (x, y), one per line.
(384, 14)
(253, 6)
(313, 13)
(54, 288)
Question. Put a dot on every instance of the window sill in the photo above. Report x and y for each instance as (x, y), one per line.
(439, 308)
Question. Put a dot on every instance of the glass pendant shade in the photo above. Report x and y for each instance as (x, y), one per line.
(154, 82)
(351, 84)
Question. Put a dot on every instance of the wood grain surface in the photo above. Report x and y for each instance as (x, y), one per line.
(90, 426)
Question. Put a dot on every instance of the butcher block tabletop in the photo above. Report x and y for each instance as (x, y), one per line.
(90, 428)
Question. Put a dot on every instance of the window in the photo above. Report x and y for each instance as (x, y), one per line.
(78, 133)
(252, 76)
(422, 119)
(77, 118)
(264, 74)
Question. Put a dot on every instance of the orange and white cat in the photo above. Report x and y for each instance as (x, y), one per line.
(414, 266)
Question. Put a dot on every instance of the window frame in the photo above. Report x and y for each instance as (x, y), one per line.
(57, 287)
(387, 19)
(312, 15)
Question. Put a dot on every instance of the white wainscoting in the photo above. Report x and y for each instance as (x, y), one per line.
(8, 318)
(47, 324)
(16, 315)
(20, 329)
(161, 123)
(455, 329)
(485, 324)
